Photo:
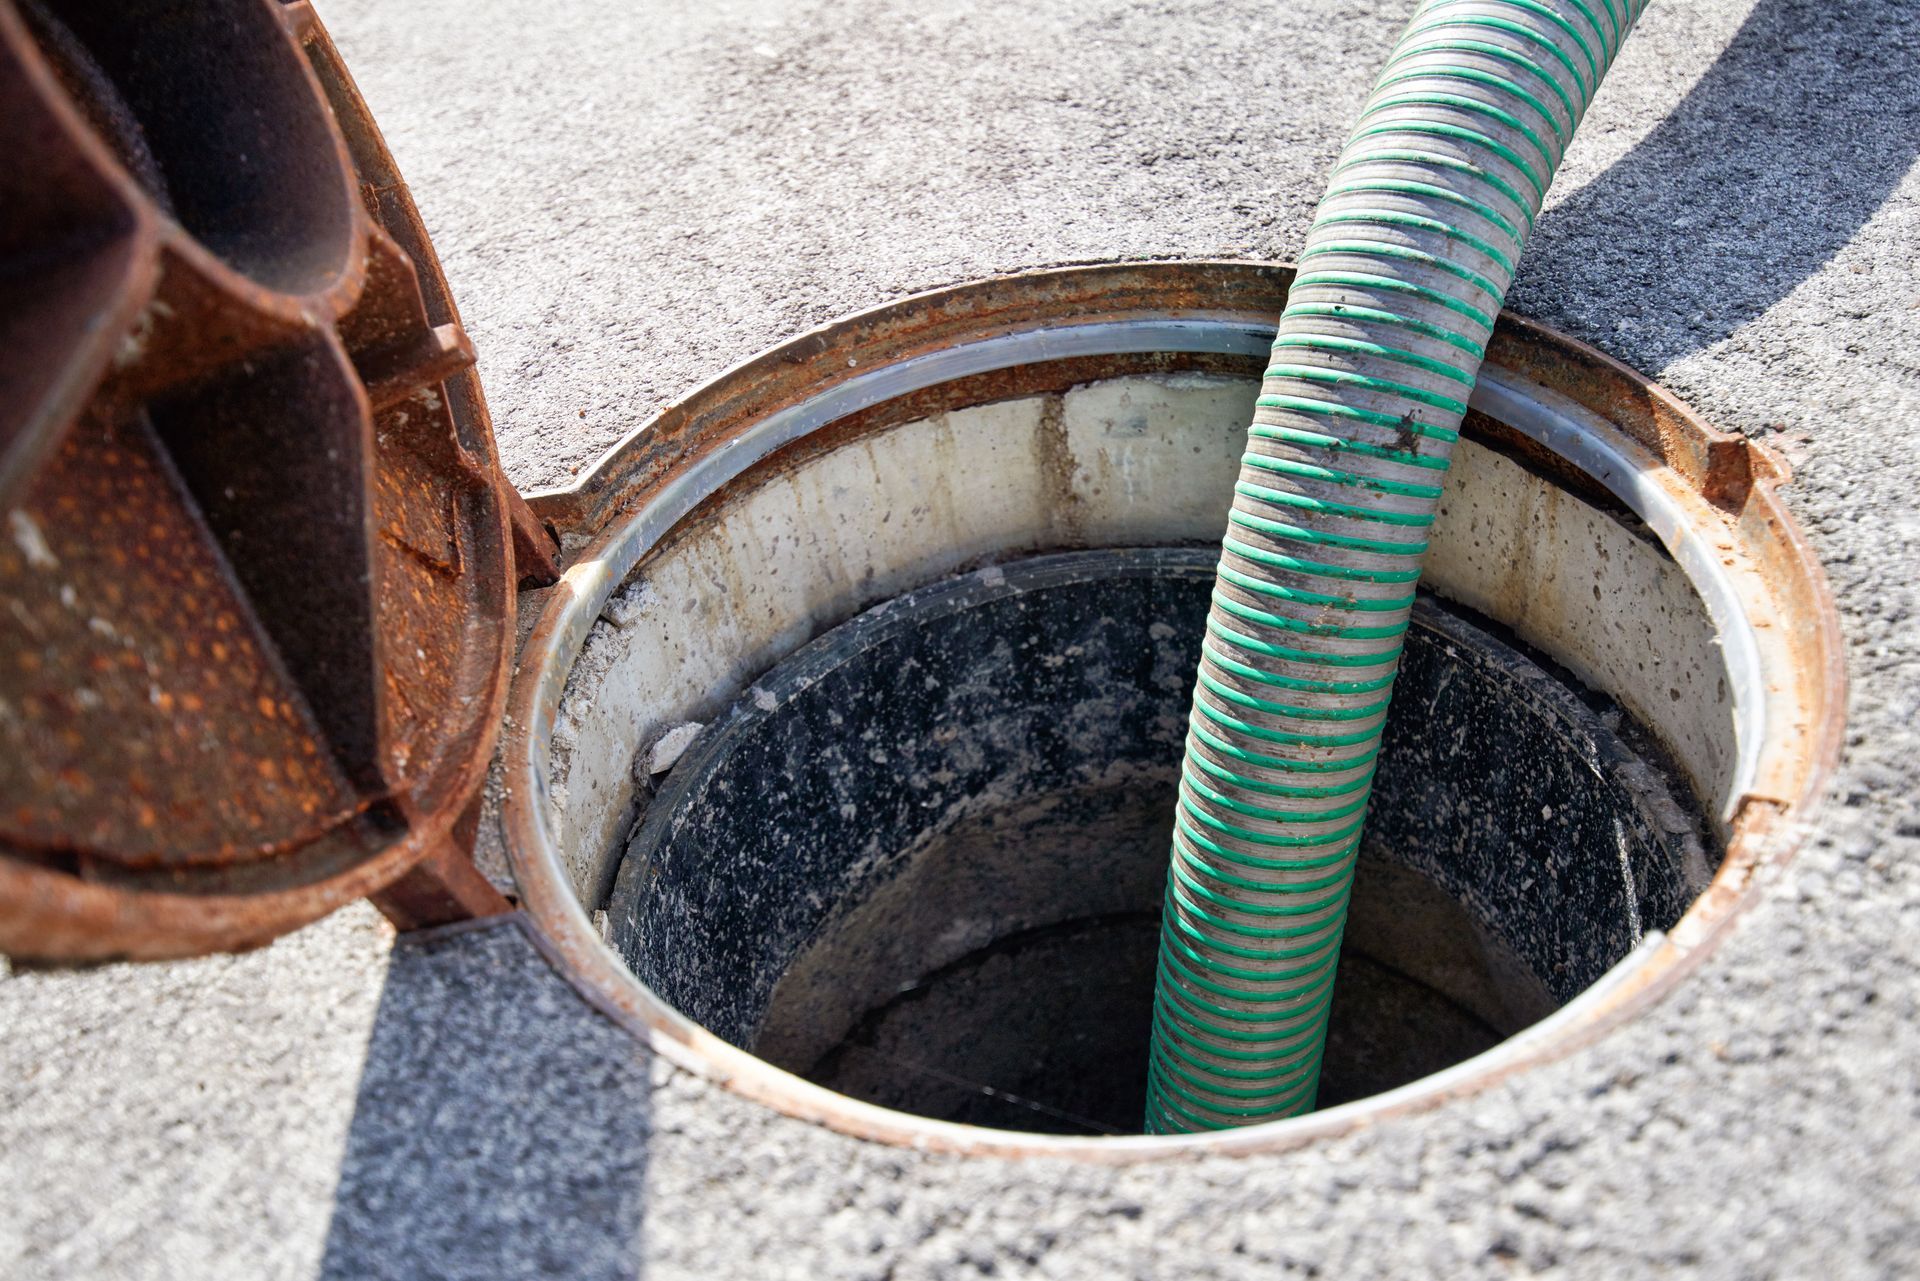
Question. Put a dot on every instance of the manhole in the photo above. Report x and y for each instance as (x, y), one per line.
(921, 861)
(1614, 583)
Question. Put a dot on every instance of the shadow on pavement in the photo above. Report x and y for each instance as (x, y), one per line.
(500, 1128)
(1772, 162)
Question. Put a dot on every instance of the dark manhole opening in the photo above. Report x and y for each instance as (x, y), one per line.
(920, 862)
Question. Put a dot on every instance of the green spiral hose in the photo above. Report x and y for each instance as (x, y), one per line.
(1405, 269)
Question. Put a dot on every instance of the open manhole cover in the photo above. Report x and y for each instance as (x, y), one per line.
(906, 879)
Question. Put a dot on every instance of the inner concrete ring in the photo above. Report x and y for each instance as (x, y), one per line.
(1561, 410)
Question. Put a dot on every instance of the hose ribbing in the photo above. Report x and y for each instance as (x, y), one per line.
(1405, 268)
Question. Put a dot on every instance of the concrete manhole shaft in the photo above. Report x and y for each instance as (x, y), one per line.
(922, 860)
(1590, 518)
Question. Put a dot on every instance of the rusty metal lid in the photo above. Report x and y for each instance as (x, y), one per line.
(258, 559)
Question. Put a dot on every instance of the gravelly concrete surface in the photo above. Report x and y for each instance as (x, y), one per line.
(630, 199)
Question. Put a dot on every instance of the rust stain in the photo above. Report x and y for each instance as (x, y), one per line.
(1056, 464)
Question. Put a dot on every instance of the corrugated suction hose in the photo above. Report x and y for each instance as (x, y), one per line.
(1404, 271)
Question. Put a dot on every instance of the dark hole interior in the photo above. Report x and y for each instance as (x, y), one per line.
(921, 861)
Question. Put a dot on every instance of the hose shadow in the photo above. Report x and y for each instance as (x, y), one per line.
(1772, 162)
(500, 1128)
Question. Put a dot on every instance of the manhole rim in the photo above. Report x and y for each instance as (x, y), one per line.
(639, 492)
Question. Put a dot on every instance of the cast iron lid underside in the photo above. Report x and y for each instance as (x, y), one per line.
(259, 558)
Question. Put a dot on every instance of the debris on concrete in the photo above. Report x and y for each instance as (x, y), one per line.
(671, 746)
